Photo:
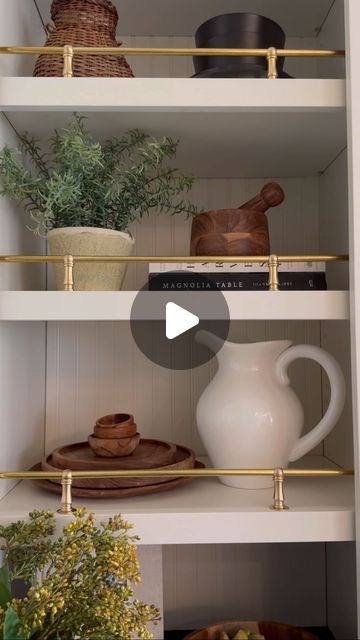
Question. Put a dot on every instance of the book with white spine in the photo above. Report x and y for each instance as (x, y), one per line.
(235, 267)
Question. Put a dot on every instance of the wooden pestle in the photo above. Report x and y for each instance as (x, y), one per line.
(271, 195)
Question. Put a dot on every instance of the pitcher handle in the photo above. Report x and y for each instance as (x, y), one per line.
(337, 397)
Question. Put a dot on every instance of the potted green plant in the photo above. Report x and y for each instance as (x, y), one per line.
(84, 195)
(86, 585)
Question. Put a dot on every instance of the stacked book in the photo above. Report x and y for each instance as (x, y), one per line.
(248, 276)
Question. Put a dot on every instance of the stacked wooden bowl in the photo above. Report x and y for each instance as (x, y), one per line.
(116, 445)
(114, 436)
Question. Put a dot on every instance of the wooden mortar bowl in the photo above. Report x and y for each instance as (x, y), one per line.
(113, 447)
(271, 631)
(230, 232)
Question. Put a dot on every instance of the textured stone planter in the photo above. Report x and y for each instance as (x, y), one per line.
(90, 241)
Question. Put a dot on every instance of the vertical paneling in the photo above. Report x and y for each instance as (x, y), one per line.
(20, 24)
(335, 336)
(150, 589)
(332, 36)
(15, 236)
(203, 584)
(22, 396)
(341, 580)
(22, 348)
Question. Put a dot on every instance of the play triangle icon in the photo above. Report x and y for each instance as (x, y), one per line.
(178, 320)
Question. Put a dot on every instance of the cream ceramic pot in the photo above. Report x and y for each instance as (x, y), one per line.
(249, 416)
(91, 241)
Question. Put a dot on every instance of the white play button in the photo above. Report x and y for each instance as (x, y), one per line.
(178, 320)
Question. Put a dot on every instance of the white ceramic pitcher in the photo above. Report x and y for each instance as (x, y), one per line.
(249, 416)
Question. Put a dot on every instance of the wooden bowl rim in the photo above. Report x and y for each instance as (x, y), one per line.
(109, 425)
(127, 440)
(219, 626)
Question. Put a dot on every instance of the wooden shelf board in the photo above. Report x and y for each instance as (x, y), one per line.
(304, 129)
(208, 512)
(112, 305)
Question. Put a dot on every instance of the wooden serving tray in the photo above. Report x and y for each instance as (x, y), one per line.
(117, 493)
(184, 459)
(149, 454)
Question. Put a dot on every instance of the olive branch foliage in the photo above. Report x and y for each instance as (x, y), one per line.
(83, 183)
(86, 586)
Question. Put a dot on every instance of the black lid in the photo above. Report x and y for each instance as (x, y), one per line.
(238, 31)
(228, 23)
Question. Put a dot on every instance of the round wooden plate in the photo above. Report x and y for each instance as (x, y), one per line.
(148, 455)
(184, 459)
(117, 493)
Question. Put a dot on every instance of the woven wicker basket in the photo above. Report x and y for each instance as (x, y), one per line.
(83, 23)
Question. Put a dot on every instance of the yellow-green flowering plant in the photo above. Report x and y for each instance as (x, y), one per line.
(86, 589)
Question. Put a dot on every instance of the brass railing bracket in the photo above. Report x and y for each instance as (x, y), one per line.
(66, 498)
(68, 56)
(273, 273)
(279, 497)
(68, 273)
(272, 57)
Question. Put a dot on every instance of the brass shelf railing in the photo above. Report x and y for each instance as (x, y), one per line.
(272, 261)
(278, 476)
(271, 54)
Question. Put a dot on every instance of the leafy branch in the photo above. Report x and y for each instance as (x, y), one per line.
(85, 183)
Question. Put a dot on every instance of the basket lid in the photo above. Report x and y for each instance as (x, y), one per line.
(58, 6)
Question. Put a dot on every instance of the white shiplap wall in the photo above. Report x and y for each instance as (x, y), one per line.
(332, 36)
(20, 25)
(335, 336)
(22, 345)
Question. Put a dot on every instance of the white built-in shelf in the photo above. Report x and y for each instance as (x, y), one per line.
(205, 511)
(182, 17)
(220, 123)
(243, 305)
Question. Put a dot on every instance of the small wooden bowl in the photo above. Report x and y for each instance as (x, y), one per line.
(119, 431)
(113, 448)
(115, 420)
(271, 631)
